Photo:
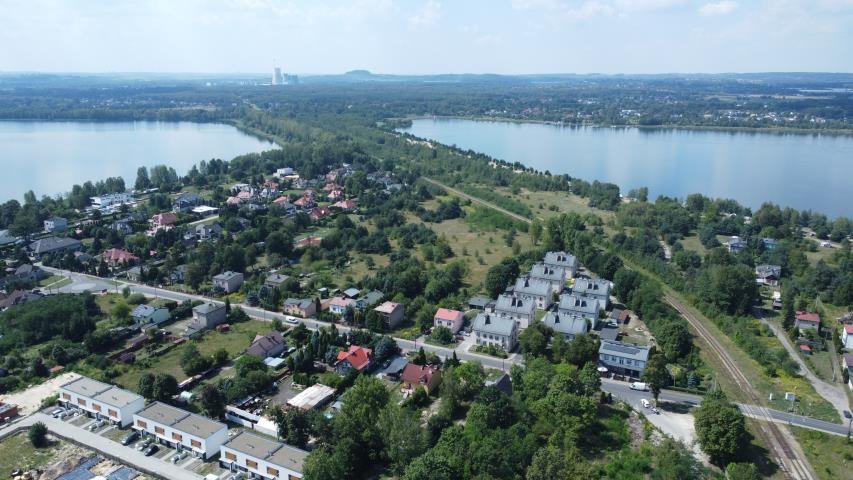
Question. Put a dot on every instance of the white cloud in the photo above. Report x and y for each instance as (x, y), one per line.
(723, 7)
(427, 15)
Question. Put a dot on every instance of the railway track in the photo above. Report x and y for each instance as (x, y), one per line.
(785, 450)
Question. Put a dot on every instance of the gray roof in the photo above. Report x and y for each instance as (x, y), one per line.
(302, 303)
(764, 271)
(276, 278)
(548, 272)
(565, 324)
(396, 366)
(608, 333)
(496, 325)
(371, 297)
(101, 392)
(145, 311)
(480, 302)
(181, 420)
(227, 275)
(625, 350)
(532, 286)
(352, 292)
(561, 259)
(50, 244)
(207, 307)
(510, 303)
(576, 303)
(591, 286)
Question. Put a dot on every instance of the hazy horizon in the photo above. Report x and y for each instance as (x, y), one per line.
(424, 37)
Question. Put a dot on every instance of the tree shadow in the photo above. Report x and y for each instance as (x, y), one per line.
(675, 407)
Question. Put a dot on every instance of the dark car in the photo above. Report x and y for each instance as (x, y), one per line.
(130, 438)
(151, 450)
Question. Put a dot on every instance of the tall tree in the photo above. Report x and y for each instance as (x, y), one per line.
(656, 374)
(720, 428)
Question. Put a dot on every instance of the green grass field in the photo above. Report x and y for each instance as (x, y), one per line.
(17, 452)
(831, 456)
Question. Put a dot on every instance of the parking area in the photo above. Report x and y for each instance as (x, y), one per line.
(128, 438)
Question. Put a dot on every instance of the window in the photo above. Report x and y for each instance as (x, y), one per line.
(272, 471)
(230, 456)
(195, 443)
(159, 430)
(177, 436)
(66, 396)
(251, 464)
(82, 402)
(141, 424)
(96, 407)
(112, 413)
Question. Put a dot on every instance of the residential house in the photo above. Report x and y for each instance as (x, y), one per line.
(228, 281)
(270, 345)
(736, 244)
(111, 200)
(768, 274)
(502, 383)
(300, 307)
(7, 239)
(339, 305)
(451, 319)
(147, 315)
(556, 276)
(804, 320)
(575, 305)
(348, 204)
(122, 226)
(335, 195)
(18, 297)
(395, 368)
(117, 256)
(516, 308)
(101, 400)
(262, 458)
(208, 231)
(538, 291)
(29, 273)
(358, 358)
(597, 288)
(8, 411)
(284, 203)
(163, 220)
(175, 427)
(491, 329)
(177, 274)
(283, 172)
(352, 292)
(414, 376)
(275, 280)
(55, 224)
(847, 363)
(391, 313)
(48, 245)
(847, 337)
(320, 213)
(185, 202)
(478, 303)
(568, 326)
(369, 299)
(563, 260)
(206, 316)
(623, 358)
(306, 201)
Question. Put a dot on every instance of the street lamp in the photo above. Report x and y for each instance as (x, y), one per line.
(849, 417)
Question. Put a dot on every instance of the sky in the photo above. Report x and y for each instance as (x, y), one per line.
(426, 36)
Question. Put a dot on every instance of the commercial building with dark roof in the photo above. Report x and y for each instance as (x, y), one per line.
(623, 358)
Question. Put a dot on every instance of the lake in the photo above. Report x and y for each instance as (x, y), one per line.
(803, 171)
(50, 157)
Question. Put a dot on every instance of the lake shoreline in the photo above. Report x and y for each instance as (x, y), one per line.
(698, 128)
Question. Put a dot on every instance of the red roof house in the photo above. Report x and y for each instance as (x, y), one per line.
(345, 204)
(161, 220)
(117, 256)
(358, 358)
(425, 376)
(320, 213)
(451, 319)
(807, 320)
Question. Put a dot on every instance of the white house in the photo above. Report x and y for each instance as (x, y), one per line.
(563, 260)
(555, 276)
(516, 308)
(228, 281)
(568, 326)
(535, 289)
(847, 337)
(262, 458)
(452, 319)
(623, 358)
(575, 305)
(101, 400)
(597, 288)
(55, 224)
(111, 199)
(181, 429)
(147, 314)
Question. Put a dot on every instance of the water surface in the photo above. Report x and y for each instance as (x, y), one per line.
(50, 157)
(804, 171)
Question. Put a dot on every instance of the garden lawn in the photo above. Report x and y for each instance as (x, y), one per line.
(831, 456)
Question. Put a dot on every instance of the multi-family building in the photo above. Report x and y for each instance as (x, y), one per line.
(597, 288)
(564, 260)
(623, 358)
(180, 429)
(555, 276)
(516, 308)
(567, 325)
(261, 457)
(534, 289)
(575, 305)
(101, 400)
(228, 281)
(490, 329)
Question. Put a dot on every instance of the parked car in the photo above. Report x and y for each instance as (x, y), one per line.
(178, 457)
(98, 424)
(130, 438)
(55, 413)
(143, 445)
(291, 320)
(151, 450)
(646, 403)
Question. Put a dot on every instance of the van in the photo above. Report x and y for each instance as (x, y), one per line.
(641, 386)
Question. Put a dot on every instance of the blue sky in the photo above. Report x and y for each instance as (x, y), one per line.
(427, 36)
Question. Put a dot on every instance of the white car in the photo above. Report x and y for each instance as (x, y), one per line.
(646, 403)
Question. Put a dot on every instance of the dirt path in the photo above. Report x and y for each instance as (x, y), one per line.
(834, 394)
(779, 440)
(482, 202)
